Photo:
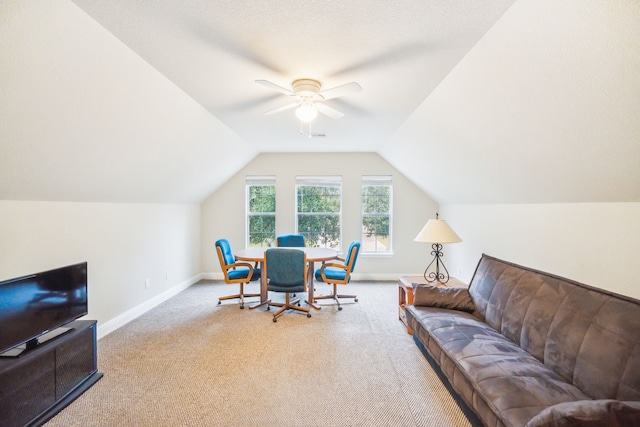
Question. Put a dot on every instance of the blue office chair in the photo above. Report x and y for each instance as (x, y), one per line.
(235, 272)
(290, 240)
(339, 274)
(286, 271)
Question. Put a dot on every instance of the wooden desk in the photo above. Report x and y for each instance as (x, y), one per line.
(313, 255)
(405, 293)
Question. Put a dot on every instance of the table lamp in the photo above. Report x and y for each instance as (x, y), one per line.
(437, 232)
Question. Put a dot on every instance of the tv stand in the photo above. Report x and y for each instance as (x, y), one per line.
(34, 343)
(44, 380)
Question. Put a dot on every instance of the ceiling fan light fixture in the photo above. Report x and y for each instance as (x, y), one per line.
(306, 112)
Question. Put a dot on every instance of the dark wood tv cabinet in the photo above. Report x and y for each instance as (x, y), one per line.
(39, 384)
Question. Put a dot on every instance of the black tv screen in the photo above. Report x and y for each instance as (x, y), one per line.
(33, 305)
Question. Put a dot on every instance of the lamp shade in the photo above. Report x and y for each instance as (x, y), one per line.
(437, 231)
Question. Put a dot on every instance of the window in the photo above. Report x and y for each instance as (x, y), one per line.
(261, 210)
(319, 210)
(376, 214)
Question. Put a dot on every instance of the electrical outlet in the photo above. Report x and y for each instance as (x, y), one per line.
(146, 283)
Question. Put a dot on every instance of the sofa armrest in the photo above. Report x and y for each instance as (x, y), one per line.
(427, 295)
(589, 413)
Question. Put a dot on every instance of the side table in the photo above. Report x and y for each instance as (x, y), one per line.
(405, 293)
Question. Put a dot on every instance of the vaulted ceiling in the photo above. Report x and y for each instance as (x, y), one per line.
(475, 101)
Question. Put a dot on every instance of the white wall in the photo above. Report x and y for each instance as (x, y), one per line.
(124, 244)
(223, 213)
(84, 118)
(594, 243)
(544, 109)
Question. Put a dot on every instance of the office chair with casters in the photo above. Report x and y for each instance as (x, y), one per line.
(339, 274)
(290, 240)
(286, 271)
(235, 272)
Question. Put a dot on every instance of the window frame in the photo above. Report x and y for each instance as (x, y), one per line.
(262, 181)
(376, 181)
(319, 181)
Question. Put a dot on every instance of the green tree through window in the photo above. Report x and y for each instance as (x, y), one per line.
(261, 210)
(376, 214)
(319, 210)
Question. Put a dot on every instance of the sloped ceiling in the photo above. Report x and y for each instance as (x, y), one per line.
(544, 109)
(215, 50)
(84, 118)
(476, 102)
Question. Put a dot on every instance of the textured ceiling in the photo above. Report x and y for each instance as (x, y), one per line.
(215, 50)
(527, 101)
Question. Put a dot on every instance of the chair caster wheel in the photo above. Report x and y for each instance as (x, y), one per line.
(275, 320)
(242, 307)
(355, 300)
(339, 308)
(308, 314)
(219, 302)
(268, 308)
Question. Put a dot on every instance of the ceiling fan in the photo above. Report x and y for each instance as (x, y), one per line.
(309, 98)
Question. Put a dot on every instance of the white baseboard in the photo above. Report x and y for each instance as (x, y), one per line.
(375, 277)
(109, 326)
(212, 276)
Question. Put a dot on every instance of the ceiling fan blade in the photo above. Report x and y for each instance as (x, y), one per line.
(328, 111)
(389, 57)
(274, 86)
(337, 91)
(283, 108)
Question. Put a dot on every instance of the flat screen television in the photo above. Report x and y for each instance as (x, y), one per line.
(33, 305)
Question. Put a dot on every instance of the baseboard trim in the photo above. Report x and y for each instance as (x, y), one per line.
(109, 326)
(375, 277)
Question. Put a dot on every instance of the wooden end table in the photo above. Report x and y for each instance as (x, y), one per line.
(405, 293)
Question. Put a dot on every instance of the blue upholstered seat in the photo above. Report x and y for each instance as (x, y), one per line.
(339, 273)
(290, 240)
(235, 272)
(286, 271)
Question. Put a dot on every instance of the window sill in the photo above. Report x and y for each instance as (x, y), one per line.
(377, 254)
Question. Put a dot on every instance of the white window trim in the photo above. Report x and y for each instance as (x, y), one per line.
(254, 181)
(320, 181)
(380, 180)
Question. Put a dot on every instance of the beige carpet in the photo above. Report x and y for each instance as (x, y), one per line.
(192, 362)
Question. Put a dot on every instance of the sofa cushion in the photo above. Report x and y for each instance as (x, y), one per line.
(443, 297)
(488, 370)
(588, 336)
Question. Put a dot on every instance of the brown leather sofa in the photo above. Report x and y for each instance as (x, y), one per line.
(525, 348)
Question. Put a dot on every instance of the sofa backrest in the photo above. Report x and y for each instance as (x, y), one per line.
(589, 336)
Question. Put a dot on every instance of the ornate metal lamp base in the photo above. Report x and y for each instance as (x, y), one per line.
(436, 276)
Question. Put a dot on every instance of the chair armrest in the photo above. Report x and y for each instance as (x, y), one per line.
(334, 265)
(342, 266)
(240, 264)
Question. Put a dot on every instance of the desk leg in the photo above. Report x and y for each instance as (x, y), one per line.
(310, 286)
(264, 290)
